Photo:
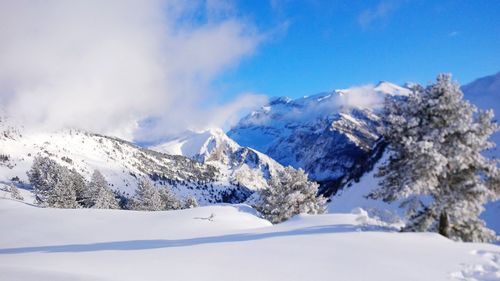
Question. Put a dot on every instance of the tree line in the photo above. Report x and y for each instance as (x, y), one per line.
(57, 186)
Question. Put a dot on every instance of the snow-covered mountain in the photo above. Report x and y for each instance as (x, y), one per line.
(485, 91)
(331, 136)
(121, 162)
(243, 165)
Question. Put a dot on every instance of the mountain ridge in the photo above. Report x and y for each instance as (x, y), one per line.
(122, 163)
(329, 135)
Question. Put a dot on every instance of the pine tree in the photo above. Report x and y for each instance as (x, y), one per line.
(79, 185)
(436, 139)
(62, 194)
(289, 193)
(190, 202)
(52, 184)
(147, 198)
(169, 201)
(99, 195)
(42, 177)
(15, 193)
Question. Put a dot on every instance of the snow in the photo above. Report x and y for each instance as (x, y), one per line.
(192, 143)
(392, 89)
(249, 167)
(89, 244)
(353, 196)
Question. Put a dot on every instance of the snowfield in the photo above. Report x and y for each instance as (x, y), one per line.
(225, 242)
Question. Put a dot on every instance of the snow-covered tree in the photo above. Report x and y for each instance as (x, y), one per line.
(436, 166)
(99, 195)
(52, 183)
(14, 192)
(190, 202)
(147, 198)
(289, 193)
(63, 194)
(79, 185)
(42, 177)
(169, 201)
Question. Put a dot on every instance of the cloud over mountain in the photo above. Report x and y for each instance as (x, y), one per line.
(107, 65)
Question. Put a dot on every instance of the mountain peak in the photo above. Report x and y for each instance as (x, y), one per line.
(280, 100)
(197, 144)
(389, 88)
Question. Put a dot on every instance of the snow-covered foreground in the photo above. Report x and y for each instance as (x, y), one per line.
(225, 243)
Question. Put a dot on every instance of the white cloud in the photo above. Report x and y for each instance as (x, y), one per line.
(200, 118)
(106, 65)
(320, 106)
(360, 97)
(380, 12)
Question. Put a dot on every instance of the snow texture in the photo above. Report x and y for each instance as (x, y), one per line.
(224, 243)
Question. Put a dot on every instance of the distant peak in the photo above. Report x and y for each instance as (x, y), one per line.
(391, 89)
(410, 85)
(382, 82)
(280, 100)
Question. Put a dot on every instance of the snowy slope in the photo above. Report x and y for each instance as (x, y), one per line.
(121, 162)
(353, 196)
(246, 166)
(90, 244)
(329, 135)
(484, 91)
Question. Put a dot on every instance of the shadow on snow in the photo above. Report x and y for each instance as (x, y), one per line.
(132, 245)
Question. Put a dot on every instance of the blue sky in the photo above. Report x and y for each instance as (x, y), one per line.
(314, 46)
(106, 66)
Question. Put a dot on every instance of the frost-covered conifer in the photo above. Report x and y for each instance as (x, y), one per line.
(42, 177)
(147, 198)
(99, 195)
(169, 201)
(289, 193)
(190, 202)
(62, 194)
(52, 183)
(14, 192)
(436, 139)
(79, 185)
